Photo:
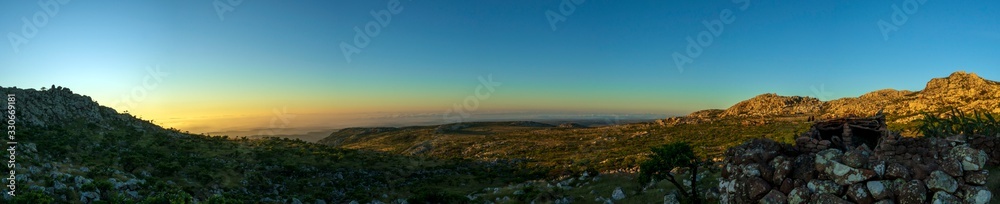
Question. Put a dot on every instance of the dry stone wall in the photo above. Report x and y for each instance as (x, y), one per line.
(898, 170)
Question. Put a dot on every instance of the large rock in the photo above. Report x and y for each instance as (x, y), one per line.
(944, 198)
(826, 158)
(774, 197)
(976, 177)
(804, 167)
(670, 198)
(911, 192)
(878, 190)
(897, 171)
(752, 189)
(951, 165)
(859, 194)
(858, 157)
(940, 181)
(972, 159)
(782, 167)
(826, 162)
(618, 194)
(799, 195)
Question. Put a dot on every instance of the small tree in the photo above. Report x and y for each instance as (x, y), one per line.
(667, 157)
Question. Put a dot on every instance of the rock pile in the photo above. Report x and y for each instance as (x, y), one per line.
(821, 169)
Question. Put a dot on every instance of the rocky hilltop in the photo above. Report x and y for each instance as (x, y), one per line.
(961, 90)
(772, 104)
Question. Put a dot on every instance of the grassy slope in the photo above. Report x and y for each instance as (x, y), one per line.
(176, 165)
(569, 149)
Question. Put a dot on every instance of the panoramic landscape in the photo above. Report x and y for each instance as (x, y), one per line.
(571, 101)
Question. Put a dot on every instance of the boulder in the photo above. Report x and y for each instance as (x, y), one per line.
(972, 159)
(859, 194)
(897, 171)
(945, 198)
(804, 167)
(799, 195)
(670, 198)
(913, 191)
(878, 190)
(977, 195)
(940, 181)
(951, 165)
(774, 197)
(618, 194)
(858, 157)
(782, 167)
(786, 186)
(976, 177)
(752, 189)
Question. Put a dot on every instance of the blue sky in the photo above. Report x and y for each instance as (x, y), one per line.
(606, 57)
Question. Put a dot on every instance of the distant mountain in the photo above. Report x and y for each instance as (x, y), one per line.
(961, 90)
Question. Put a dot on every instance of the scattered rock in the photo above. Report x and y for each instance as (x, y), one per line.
(618, 194)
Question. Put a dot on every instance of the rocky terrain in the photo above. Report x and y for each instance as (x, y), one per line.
(961, 90)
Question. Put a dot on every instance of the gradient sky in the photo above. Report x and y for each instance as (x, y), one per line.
(607, 57)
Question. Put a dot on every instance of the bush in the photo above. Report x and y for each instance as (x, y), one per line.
(667, 157)
(957, 122)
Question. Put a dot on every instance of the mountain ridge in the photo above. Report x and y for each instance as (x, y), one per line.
(961, 90)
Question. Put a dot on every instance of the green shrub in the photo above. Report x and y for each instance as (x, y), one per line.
(33, 197)
(957, 122)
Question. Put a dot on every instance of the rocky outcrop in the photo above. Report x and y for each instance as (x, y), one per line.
(964, 91)
(774, 105)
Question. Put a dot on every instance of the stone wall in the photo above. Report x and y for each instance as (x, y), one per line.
(899, 170)
(989, 144)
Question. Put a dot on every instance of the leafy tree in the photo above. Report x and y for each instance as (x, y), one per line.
(667, 157)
